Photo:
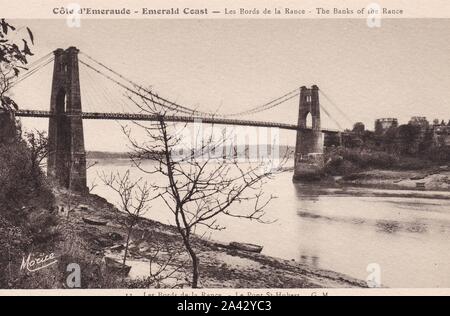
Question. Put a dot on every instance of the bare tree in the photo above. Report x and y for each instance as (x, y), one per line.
(91, 164)
(199, 188)
(166, 267)
(93, 184)
(134, 199)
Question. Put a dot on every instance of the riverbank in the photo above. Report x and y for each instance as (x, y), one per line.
(155, 245)
(432, 179)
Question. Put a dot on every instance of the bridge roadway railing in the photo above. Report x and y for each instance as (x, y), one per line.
(167, 118)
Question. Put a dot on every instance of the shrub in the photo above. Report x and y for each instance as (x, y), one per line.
(27, 223)
(13, 242)
(20, 190)
(342, 161)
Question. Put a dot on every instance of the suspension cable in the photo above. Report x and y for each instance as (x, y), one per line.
(188, 110)
(151, 93)
(337, 107)
(333, 119)
(269, 105)
(135, 92)
(42, 62)
(37, 61)
(31, 72)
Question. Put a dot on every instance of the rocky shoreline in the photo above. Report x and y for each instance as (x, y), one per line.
(426, 183)
(155, 245)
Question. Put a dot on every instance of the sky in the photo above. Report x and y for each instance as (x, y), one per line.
(398, 70)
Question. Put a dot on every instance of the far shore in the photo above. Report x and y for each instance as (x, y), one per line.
(426, 183)
(431, 183)
(379, 191)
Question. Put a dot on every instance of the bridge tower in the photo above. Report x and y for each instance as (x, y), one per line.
(67, 156)
(309, 145)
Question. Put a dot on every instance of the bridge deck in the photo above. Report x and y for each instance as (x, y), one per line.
(168, 118)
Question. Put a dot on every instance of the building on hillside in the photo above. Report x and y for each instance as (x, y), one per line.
(441, 133)
(420, 121)
(359, 128)
(384, 124)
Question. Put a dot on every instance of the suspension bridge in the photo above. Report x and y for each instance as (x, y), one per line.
(67, 156)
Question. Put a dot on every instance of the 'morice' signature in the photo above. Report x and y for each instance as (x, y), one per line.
(38, 263)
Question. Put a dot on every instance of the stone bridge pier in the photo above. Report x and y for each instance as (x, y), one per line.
(309, 145)
(67, 156)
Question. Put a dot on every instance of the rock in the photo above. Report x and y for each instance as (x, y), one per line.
(83, 207)
(216, 243)
(135, 253)
(144, 244)
(92, 221)
(8, 128)
(103, 242)
(245, 247)
(115, 266)
(117, 248)
(420, 185)
(141, 247)
(115, 236)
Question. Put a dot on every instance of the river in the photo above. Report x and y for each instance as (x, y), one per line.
(407, 237)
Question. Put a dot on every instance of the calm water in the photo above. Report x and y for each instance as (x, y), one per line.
(408, 237)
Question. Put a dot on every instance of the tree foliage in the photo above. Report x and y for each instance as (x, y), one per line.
(26, 201)
(37, 142)
(13, 59)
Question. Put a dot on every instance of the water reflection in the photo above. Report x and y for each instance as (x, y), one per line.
(417, 227)
(310, 260)
(304, 191)
(389, 227)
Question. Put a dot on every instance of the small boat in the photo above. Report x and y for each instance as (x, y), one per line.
(92, 221)
(114, 266)
(246, 247)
